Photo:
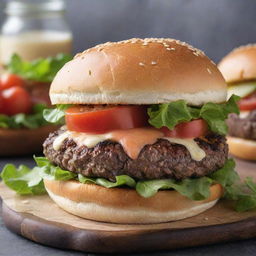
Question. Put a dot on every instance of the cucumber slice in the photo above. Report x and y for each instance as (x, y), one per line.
(241, 89)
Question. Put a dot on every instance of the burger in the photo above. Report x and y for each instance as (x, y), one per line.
(143, 135)
(24, 94)
(238, 68)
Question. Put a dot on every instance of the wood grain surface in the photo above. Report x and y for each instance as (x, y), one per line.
(39, 219)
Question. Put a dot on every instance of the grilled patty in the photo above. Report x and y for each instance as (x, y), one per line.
(157, 161)
(242, 127)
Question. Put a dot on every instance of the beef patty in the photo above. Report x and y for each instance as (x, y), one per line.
(157, 161)
(242, 127)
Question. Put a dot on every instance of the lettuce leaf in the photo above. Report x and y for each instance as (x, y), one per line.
(122, 180)
(51, 172)
(29, 181)
(23, 180)
(171, 114)
(30, 121)
(41, 70)
(56, 115)
(195, 189)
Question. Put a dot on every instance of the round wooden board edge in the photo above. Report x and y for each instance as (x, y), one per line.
(63, 236)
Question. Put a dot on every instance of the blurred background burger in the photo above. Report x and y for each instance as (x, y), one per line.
(238, 68)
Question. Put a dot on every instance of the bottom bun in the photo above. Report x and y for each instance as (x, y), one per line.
(242, 148)
(14, 142)
(123, 205)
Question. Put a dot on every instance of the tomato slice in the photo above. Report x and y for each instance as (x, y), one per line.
(101, 119)
(16, 100)
(10, 80)
(192, 129)
(248, 103)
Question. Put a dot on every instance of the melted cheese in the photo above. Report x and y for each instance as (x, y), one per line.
(89, 140)
(132, 140)
(195, 151)
(59, 140)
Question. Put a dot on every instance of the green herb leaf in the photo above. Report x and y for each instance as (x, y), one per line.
(41, 70)
(56, 115)
(171, 114)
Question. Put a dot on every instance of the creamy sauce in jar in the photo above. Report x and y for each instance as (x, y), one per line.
(34, 44)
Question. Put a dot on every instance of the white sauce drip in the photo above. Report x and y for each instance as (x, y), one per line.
(91, 140)
(195, 151)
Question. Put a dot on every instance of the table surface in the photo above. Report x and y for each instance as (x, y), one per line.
(11, 244)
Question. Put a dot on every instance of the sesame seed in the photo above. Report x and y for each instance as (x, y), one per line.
(209, 71)
(195, 53)
(206, 218)
(153, 62)
(90, 72)
(141, 64)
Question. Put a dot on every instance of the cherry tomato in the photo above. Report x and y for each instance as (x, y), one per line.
(98, 119)
(192, 129)
(16, 100)
(40, 94)
(2, 108)
(10, 80)
(248, 103)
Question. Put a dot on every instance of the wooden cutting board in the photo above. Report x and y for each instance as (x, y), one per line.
(39, 219)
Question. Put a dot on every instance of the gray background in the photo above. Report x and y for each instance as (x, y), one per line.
(215, 26)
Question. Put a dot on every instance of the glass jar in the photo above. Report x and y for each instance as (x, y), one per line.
(33, 29)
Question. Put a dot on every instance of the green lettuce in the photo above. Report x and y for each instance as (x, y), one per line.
(195, 189)
(122, 180)
(41, 70)
(171, 114)
(30, 181)
(31, 121)
(56, 115)
(23, 180)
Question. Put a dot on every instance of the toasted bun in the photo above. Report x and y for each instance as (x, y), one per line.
(23, 141)
(120, 205)
(243, 148)
(139, 71)
(239, 65)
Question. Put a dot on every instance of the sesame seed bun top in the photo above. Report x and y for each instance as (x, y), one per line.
(139, 71)
(239, 65)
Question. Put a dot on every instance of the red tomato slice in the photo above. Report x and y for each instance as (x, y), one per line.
(192, 129)
(248, 103)
(16, 100)
(10, 80)
(103, 119)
